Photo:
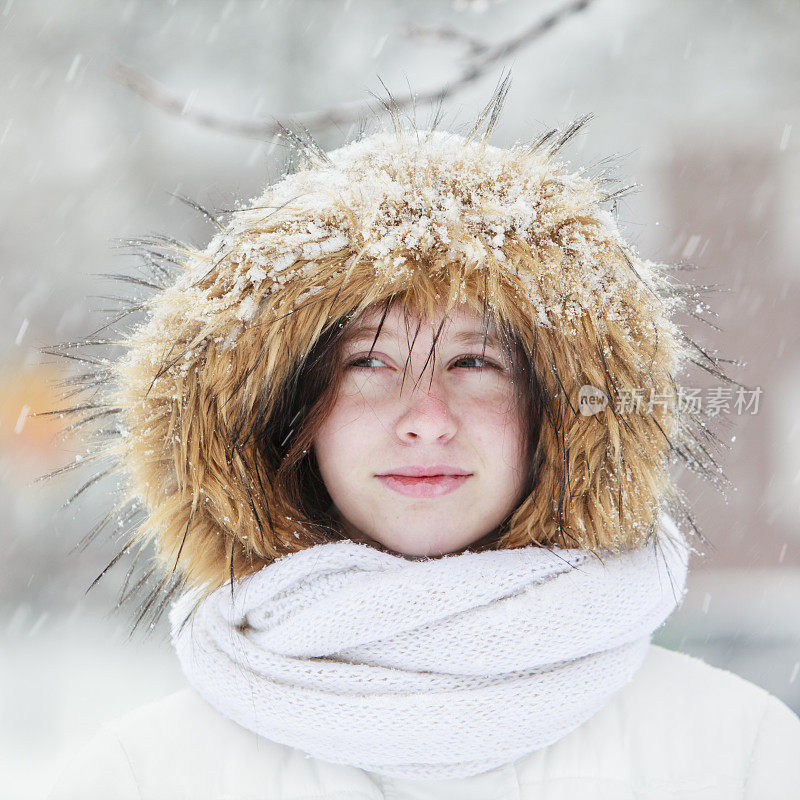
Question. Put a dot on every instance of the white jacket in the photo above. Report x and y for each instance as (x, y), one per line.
(680, 729)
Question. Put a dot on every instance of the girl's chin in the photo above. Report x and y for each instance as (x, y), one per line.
(421, 544)
(416, 532)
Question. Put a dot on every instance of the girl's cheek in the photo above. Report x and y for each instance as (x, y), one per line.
(364, 386)
(358, 406)
(495, 402)
(491, 418)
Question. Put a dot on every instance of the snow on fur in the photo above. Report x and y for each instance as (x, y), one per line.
(434, 196)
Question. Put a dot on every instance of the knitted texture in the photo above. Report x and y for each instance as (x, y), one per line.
(427, 667)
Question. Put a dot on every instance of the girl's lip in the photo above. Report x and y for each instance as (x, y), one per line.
(432, 470)
(422, 486)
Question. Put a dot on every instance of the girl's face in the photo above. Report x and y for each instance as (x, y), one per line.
(428, 465)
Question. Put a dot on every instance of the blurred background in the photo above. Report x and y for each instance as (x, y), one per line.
(700, 102)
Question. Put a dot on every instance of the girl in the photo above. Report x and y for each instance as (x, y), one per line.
(417, 541)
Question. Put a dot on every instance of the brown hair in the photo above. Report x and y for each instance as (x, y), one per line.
(285, 443)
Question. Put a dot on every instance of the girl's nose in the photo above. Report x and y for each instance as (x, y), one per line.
(426, 417)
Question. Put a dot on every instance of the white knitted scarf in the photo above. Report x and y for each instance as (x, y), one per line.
(428, 668)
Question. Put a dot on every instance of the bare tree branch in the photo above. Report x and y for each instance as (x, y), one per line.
(482, 57)
(474, 46)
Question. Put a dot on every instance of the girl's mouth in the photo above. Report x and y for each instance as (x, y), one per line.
(423, 485)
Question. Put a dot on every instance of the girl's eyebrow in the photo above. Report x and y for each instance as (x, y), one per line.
(467, 336)
(472, 336)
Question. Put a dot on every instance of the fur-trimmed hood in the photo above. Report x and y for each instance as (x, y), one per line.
(422, 214)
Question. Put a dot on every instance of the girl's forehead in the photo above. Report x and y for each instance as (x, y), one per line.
(461, 323)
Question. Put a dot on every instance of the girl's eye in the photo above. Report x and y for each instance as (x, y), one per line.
(365, 362)
(474, 362)
(464, 362)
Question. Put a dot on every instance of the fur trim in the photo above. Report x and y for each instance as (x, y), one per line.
(429, 217)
